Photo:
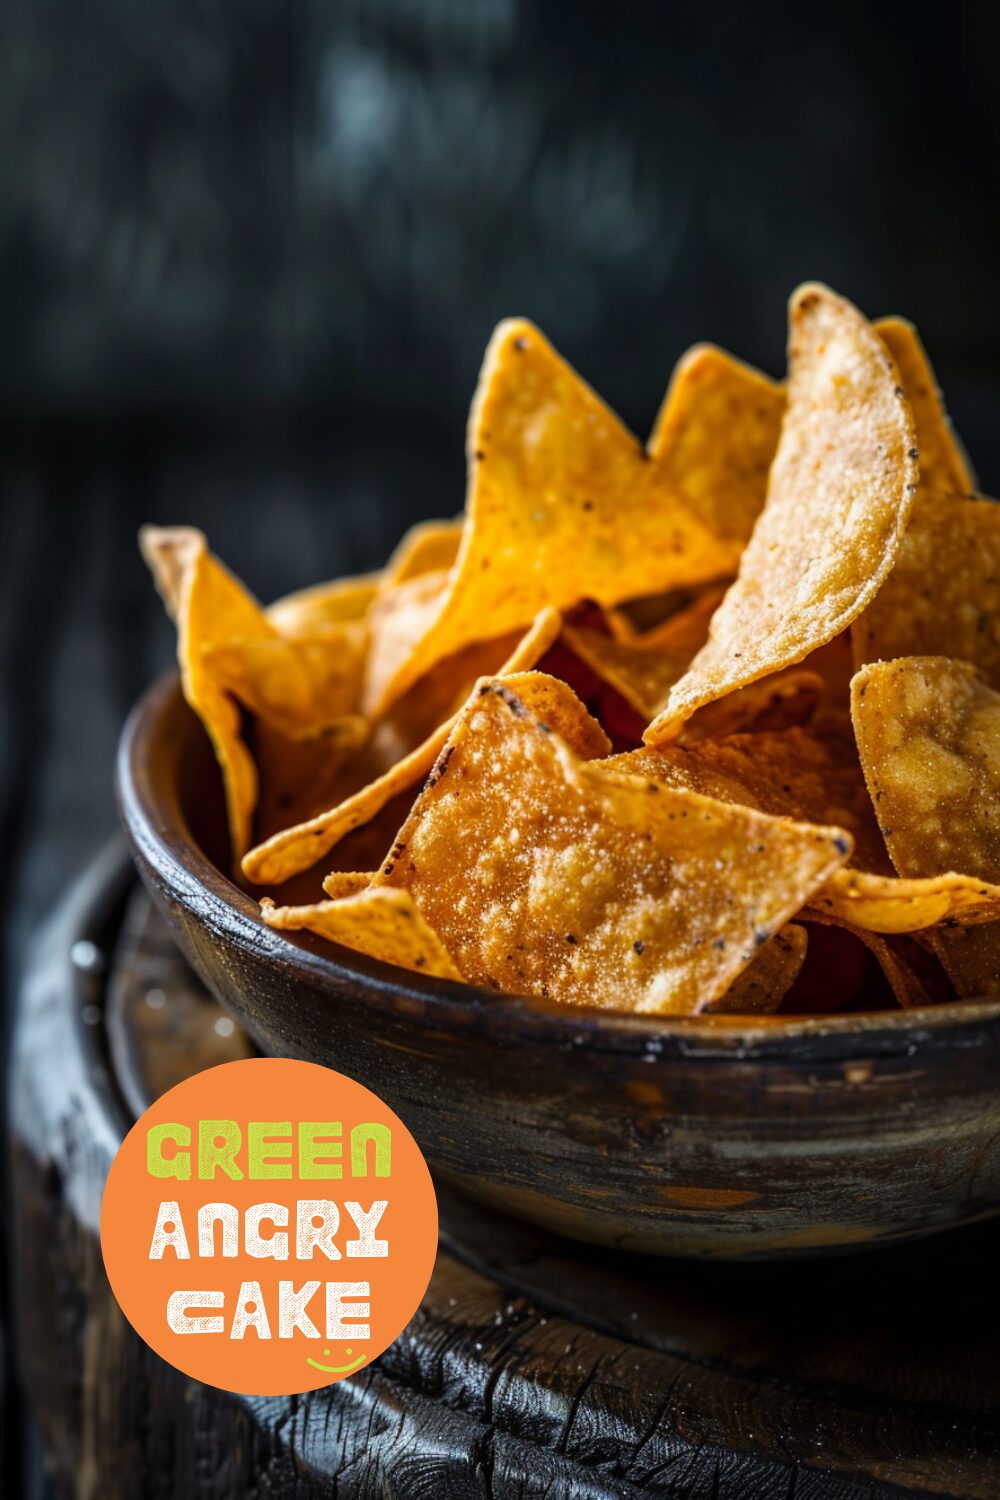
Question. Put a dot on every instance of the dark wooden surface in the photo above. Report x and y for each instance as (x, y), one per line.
(534, 1368)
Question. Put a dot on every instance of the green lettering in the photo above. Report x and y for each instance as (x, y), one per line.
(260, 1140)
(179, 1164)
(218, 1143)
(381, 1135)
(315, 1148)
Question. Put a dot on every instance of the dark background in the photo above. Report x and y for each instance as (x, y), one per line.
(251, 253)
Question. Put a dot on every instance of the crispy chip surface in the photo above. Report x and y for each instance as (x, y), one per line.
(764, 983)
(428, 547)
(942, 597)
(309, 611)
(928, 731)
(645, 667)
(564, 504)
(209, 607)
(383, 923)
(546, 873)
(296, 848)
(791, 773)
(839, 496)
(399, 619)
(229, 652)
(300, 686)
(944, 465)
(716, 435)
(816, 777)
(298, 775)
(780, 701)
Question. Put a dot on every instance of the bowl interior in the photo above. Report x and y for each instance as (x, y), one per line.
(171, 803)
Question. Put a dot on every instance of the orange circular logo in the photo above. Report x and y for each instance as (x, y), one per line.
(269, 1226)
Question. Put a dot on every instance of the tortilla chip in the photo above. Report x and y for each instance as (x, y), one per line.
(816, 778)
(298, 776)
(928, 729)
(928, 732)
(885, 903)
(839, 496)
(792, 773)
(765, 982)
(383, 923)
(636, 618)
(428, 547)
(942, 597)
(645, 668)
(834, 665)
(546, 873)
(209, 606)
(564, 504)
(781, 701)
(309, 611)
(301, 686)
(297, 848)
(716, 435)
(718, 430)
(944, 464)
(399, 619)
(230, 653)
(971, 958)
(341, 883)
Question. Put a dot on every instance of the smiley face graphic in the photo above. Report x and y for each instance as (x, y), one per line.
(337, 1369)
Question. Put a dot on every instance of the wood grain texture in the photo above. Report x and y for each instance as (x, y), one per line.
(534, 1367)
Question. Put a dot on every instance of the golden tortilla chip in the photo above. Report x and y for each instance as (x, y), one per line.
(971, 958)
(546, 873)
(817, 778)
(928, 733)
(230, 653)
(309, 611)
(643, 669)
(792, 773)
(298, 776)
(564, 504)
(209, 606)
(764, 983)
(718, 430)
(298, 848)
(300, 687)
(944, 464)
(715, 437)
(341, 883)
(383, 923)
(428, 547)
(839, 496)
(928, 729)
(891, 904)
(399, 619)
(942, 597)
(781, 701)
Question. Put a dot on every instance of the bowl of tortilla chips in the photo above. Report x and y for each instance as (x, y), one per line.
(635, 835)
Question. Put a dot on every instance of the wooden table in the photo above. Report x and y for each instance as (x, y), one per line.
(535, 1366)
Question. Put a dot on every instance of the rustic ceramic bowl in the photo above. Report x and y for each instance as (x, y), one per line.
(698, 1137)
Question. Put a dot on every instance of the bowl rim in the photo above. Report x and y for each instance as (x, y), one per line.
(161, 841)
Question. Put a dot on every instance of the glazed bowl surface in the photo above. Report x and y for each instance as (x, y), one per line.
(735, 1138)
